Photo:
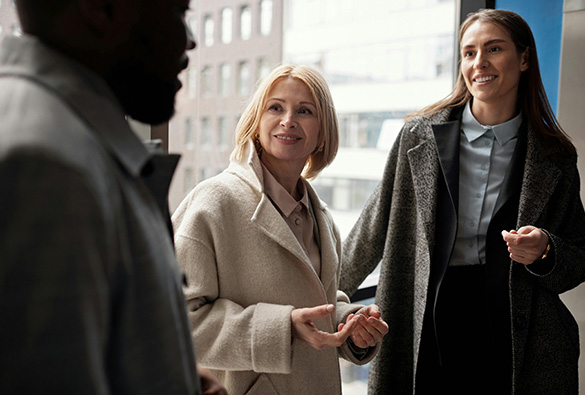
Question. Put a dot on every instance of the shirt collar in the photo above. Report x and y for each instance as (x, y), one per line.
(82, 89)
(280, 196)
(504, 132)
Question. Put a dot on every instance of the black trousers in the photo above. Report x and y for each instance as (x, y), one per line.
(470, 350)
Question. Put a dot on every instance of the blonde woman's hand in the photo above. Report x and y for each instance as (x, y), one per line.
(304, 329)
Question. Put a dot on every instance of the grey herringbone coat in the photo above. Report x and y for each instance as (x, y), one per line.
(397, 226)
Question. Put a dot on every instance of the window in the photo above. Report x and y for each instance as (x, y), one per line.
(263, 68)
(187, 180)
(209, 30)
(206, 84)
(192, 24)
(16, 31)
(205, 139)
(189, 133)
(225, 73)
(244, 78)
(265, 17)
(226, 25)
(245, 22)
(224, 132)
(205, 173)
(192, 82)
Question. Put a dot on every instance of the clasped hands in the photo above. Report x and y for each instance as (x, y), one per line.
(365, 327)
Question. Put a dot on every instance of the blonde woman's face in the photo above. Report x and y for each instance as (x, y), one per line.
(289, 127)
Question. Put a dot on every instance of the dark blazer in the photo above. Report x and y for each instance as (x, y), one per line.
(90, 291)
(409, 224)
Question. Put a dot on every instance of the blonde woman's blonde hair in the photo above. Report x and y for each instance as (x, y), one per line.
(328, 140)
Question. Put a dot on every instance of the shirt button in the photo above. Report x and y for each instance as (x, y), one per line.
(483, 167)
(478, 195)
(297, 221)
(298, 208)
(487, 143)
(472, 224)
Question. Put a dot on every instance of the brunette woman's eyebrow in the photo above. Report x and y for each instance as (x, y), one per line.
(486, 44)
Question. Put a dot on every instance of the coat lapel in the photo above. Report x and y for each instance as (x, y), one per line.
(447, 138)
(328, 241)
(271, 223)
(540, 180)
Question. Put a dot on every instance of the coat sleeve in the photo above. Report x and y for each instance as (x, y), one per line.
(343, 309)
(565, 226)
(349, 351)
(364, 246)
(227, 335)
(55, 283)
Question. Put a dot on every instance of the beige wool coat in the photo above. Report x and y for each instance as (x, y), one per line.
(246, 272)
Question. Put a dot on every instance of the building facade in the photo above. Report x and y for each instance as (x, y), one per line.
(238, 43)
(9, 24)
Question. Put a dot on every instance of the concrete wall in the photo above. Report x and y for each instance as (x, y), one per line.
(571, 114)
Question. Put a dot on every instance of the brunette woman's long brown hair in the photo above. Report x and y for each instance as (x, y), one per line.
(532, 99)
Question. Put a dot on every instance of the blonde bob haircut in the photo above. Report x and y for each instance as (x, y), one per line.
(328, 141)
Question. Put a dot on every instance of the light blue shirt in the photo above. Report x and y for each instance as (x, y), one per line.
(485, 154)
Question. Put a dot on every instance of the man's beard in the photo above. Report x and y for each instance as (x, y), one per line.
(143, 96)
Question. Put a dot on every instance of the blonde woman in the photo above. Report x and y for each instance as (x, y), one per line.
(262, 255)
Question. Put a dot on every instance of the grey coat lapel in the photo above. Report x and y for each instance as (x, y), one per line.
(539, 183)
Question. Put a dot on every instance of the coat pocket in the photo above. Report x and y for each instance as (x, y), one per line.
(262, 386)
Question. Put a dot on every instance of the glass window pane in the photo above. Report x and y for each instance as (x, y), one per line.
(245, 22)
(209, 30)
(225, 73)
(226, 25)
(192, 82)
(244, 78)
(206, 82)
(265, 17)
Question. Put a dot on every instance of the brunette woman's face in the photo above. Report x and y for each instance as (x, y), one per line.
(491, 65)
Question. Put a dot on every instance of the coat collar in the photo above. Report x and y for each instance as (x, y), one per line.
(537, 173)
(267, 218)
(82, 89)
